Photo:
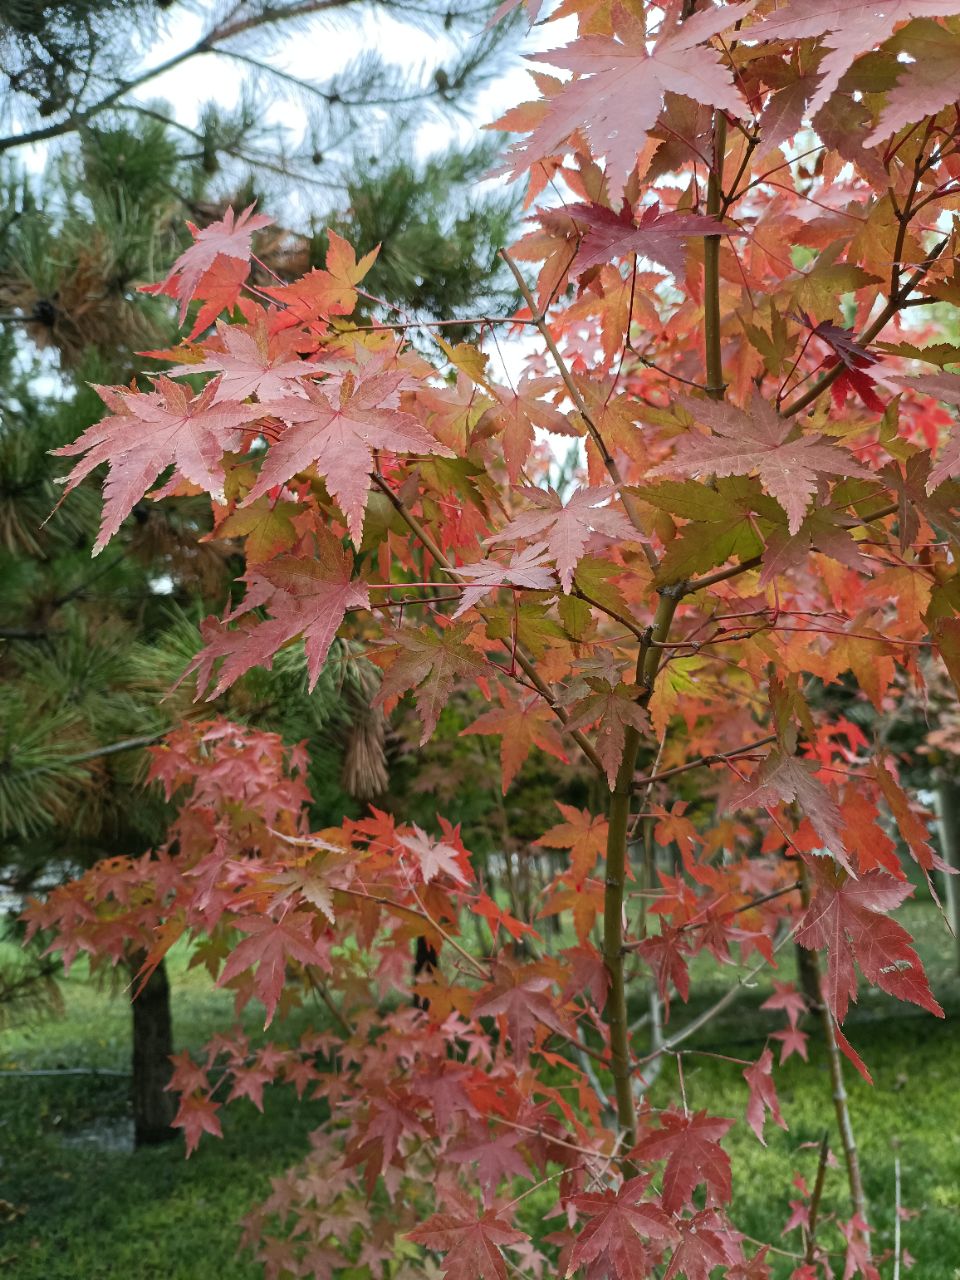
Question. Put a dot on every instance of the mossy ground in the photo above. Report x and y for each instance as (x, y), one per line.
(92, 1210)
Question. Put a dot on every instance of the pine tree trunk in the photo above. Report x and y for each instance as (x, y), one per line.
(948, 813)
(153, 1107)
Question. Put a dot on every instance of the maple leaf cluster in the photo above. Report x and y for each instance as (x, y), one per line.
(738, 214)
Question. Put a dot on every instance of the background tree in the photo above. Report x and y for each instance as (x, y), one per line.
(88, 652)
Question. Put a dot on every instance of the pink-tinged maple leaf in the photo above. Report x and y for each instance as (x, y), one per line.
(744, 442)
(792, 1040)
(522, 723)
(763, 1095)
(270, 945)
(303, 596)
(755, 1268)
(471, 1244)
(658, 235)
(228, 238)
(690, 1144)
(580, 832)
(527, 569)
(619, 85)
(846, 918)
(858, 1262)
(788, 998)
(196, 1116)
(433, 857)
(144, 433)
(706, 1242)
(620, 1226)
(848, 27)
(567, 527)
(617, 711)
(944, 387)
(925, 85)
(785, 777)
(430, 663)
(339, 439)
(252, 363)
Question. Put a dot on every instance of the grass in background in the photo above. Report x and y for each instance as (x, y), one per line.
(95, 1213)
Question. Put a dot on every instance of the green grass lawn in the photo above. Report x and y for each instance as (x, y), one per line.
(86, 1209)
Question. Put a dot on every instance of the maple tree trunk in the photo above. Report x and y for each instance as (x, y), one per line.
(948, 816)
(153, 1107)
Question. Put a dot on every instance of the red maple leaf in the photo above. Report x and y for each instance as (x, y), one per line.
(580, 832)
(705, 1243)
(271, 944)
(520, 996)
(144, 433)
(667, 953)
(690, 1144)
(523, 724)
(620, 1226)
(615, 711)
(845, 917)
(339, 439)
(430, 663)
(228, 238)
(759, 441)
(783, 777)
(197, 1115)
(658, 235)
(471, 1243)
(763, 1095)
(567, 527)
(788, 998)
(792, 1040)
(517, 416)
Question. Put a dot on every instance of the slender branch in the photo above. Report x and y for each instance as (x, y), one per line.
(648, 663)
(322, 992)
(479, 969)
(209, 43)
(718, 757)
(702, 1019)
(721, 575)
(893, 305)
(810, 1251)
(517, 654)
(632, 510)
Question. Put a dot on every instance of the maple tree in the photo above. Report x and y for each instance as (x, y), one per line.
(765, 515)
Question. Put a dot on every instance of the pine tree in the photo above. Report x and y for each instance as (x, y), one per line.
(85, 649)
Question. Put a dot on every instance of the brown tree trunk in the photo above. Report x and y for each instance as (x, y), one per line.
(153, 1107)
